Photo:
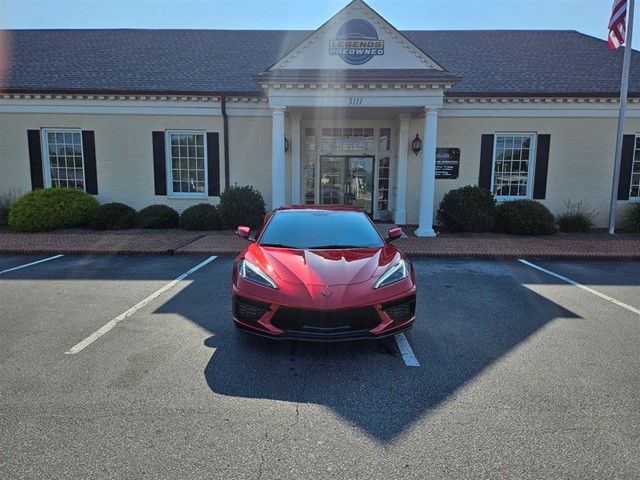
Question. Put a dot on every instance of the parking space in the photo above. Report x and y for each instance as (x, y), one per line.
(520, 374)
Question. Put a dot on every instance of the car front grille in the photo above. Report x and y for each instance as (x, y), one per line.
(249, 310)
(293, 319)
(400, 310)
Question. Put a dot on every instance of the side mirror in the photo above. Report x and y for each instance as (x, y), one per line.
(394, 233)
(244, 232)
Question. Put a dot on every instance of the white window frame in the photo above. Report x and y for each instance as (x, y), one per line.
(312, 150)
(48, 178)
(635, 163)
(169, 164)
(531, 169)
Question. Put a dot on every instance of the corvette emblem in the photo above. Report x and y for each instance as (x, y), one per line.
(326, 294)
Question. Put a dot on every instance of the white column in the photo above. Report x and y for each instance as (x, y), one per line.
(278, 166)
(428, 181)
(400, 217)
(294, 142)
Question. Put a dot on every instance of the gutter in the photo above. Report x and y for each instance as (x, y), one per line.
(225, 139)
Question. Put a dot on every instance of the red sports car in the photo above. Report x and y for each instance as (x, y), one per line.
(324, 274)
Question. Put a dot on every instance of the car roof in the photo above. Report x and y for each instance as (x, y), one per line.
(329, 208)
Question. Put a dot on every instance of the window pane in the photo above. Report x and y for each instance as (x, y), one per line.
(310, 139)
(511, 165)
(188, 163)
(385, 139)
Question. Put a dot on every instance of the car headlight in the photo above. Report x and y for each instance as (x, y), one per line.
(249, 271)
(398, 272)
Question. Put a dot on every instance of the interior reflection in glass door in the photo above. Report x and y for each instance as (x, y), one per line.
(360, 183)
(347, 181)
(332, 181)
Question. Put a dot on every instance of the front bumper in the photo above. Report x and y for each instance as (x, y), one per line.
(372, 321)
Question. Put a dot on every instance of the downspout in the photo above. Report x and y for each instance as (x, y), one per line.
(225, 139)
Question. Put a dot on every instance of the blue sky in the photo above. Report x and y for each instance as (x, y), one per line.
(587, 16)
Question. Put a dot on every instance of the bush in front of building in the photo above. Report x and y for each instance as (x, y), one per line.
(631, 218)
(203, 216)
(242, 206)
(524, 217)
(157, 217)
(467, 209)
(113, 216)
(576, 217)
(50, 209)
(7, 200)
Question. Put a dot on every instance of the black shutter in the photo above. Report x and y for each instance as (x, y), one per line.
(159, 164)
(213, 164)
(90, 170)
(486, 161)
(626, 164)
(541, 167)
(35, 159)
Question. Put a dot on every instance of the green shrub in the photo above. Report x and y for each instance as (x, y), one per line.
(524, 217)
(631, 218)
(51, 208)
(242, 206)
(113, 216)
(157, 217)
(576, 217)
(201, 217)
(7, 200)
(467, 209)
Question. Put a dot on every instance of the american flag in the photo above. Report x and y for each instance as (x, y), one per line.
(617, 24)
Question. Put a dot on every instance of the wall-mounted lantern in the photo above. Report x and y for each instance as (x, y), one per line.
(286, 144)
(416, 145)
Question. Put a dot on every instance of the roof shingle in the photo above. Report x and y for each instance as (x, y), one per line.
(537, 63)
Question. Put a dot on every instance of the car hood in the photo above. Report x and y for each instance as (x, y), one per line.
(325, 267)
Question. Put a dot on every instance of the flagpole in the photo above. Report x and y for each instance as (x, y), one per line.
(623, 105)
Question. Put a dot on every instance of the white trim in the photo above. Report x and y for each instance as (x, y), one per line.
(169, 165)
(530, 170)
(636, 151)
(46, 162)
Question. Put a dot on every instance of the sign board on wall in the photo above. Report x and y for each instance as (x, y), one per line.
(447, 163)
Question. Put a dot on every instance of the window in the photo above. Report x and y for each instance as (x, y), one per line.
(310, 139)
(383, 185)
(385, 139)
(187, 163)
(310, 180)
(64, 159)
(513, 165)
(634, 193)
(351, 139)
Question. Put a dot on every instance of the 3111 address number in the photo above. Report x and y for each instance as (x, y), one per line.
(354, 101)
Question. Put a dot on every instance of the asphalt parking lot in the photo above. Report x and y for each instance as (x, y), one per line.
(130, 367)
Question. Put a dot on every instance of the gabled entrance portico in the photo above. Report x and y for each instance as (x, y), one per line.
(323, 86)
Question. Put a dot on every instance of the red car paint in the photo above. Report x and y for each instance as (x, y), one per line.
(330, 289)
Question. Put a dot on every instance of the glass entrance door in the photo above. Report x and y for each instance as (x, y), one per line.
(347, 181)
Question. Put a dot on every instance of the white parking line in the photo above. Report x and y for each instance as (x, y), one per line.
(30, 264)
(109, 326)
(408, 356)
(590, 290)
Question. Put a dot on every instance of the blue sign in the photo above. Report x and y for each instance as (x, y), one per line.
(356, 42)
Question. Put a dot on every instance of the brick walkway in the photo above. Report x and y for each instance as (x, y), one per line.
(598, 245)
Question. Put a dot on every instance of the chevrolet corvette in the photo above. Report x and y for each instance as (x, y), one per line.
(322, 273)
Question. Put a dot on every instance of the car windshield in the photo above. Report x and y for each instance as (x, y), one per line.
(319, 229)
